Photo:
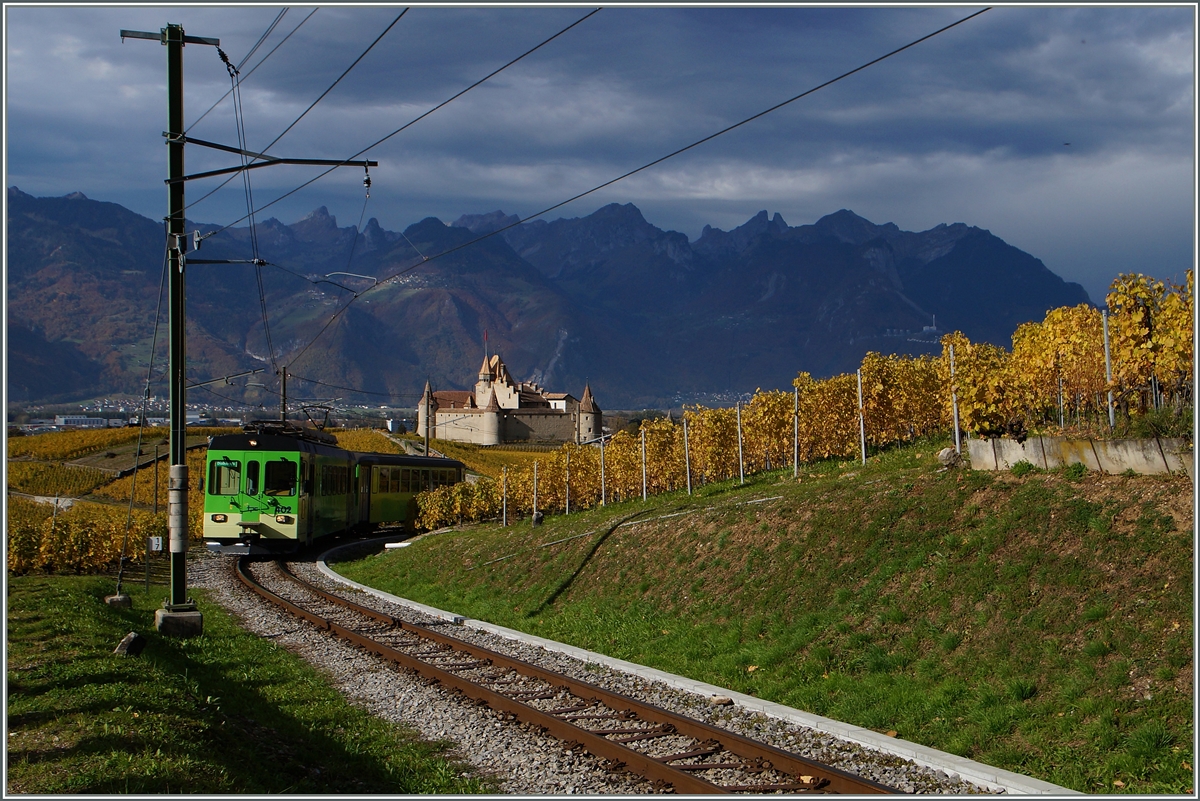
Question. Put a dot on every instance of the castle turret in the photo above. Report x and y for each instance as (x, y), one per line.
(591, 419)
(483, 386)
(490, 422)
(425, 414)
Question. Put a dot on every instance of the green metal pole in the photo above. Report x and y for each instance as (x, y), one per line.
(177, 517)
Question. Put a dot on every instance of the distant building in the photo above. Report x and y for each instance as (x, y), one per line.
(500, 410)
(79, 421)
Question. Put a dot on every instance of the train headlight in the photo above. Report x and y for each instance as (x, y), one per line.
(219, 518)
(283, 519)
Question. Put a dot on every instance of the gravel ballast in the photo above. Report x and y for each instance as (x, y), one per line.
(521, 760)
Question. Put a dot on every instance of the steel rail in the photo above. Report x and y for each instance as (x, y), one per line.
(809, 775)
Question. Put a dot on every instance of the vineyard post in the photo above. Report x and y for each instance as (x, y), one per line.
(534, 516)
(953, 403)
(602, 483)
(795, 432)
(1062, 423)
(687, 457)
(862, 422)
(504, 495)
(643, 462)
(155, 478)
(568, 481)
(741, 461)
(1112, 423)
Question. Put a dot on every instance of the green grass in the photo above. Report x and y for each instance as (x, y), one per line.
(1039, 623)
(226, 712)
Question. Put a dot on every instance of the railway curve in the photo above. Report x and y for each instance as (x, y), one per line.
(673, 752)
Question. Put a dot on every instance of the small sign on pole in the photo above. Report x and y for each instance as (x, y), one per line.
(156, 543)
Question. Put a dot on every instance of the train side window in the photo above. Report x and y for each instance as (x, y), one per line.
(252, 478)
(225, 477)
(280, 478)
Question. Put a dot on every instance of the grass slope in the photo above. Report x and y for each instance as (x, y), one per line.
(227, 712)
(1039, 623)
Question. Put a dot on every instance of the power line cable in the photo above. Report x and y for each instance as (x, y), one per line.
(305, 112)
(251, 72)
(335, 83)
(240, 121)
(142, 416)
(382, 282)
(262, 38)
(415, 120)
(360, 391)
(233, 400)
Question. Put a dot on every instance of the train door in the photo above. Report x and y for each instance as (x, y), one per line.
(305, 509)
(364, 494)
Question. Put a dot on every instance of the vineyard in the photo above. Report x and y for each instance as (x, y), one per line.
(84, 538)
(366, 440)
(64, 445)
(1053, 380)
(53, 480)
(87, 536)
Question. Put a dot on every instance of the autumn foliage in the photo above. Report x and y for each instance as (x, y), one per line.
(1053, 377)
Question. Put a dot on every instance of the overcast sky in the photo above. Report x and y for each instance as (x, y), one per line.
(1068, 132)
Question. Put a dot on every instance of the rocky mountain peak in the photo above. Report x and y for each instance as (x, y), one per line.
(714, 241)
(480, 224)
(846, 226)
(320, 215)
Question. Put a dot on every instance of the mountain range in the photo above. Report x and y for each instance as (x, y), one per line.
(646, 316)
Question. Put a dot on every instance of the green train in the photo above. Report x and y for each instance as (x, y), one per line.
(277, 487)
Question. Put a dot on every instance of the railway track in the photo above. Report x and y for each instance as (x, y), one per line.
(673, 752)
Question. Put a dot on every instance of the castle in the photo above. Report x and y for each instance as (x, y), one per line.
(500, 410)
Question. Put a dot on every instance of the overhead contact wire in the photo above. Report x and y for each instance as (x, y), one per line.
(240, 121)
(310, 108)
(339, 80)
(262, 38)
(251, 72)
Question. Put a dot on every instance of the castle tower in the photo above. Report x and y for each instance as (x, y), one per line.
(425, 413)
(490, 422)
(483, 386)
(591, 419)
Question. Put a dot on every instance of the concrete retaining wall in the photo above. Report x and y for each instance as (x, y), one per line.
(1144, 456)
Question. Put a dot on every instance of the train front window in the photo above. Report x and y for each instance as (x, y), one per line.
(281, 478)
(224, 477)
(252, 478)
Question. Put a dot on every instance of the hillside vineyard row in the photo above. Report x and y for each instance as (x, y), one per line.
(1053, 378)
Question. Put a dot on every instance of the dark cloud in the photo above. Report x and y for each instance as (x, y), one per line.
(969, 126)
